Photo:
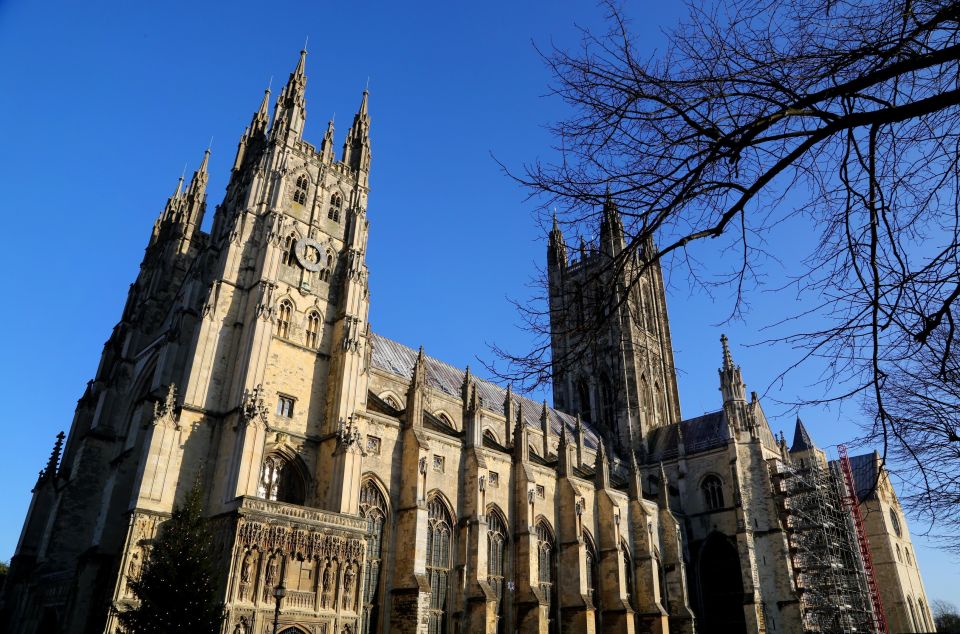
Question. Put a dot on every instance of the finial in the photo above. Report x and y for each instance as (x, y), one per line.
(367, 87)
(270, 84)
(727, 357)
(306, 40)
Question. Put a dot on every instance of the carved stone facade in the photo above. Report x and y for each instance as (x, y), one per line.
(387, 490)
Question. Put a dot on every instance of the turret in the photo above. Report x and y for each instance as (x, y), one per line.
(556, 248)
(545, 430)
(290, 113)
(256, 132)
(601, 477)
(356, 147)
(611, 228)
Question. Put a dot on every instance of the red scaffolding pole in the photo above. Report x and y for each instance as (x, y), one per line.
(853, 504)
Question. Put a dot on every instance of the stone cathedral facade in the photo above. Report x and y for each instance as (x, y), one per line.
(387, 490)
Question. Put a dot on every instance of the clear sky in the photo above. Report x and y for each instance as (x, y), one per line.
(106, 102)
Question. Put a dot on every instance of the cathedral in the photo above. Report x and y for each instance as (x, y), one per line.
(384, 490)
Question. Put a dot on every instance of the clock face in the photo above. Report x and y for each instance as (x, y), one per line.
(309, 254)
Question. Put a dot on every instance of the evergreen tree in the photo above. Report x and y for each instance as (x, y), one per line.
(176, 588)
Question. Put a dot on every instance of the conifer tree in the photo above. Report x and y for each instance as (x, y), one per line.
(176, 588)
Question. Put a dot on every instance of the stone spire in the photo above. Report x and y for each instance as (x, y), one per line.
(326, 147)
(521, 448)
(601, 476)
(731, 381)
(290, 112)
(611, 227)
(356, 147)
(801, 438)
(556, 247)
(415, 393)
(663, 494)
(51, 469)
(545, 430)
(261, 118)
(195, 198)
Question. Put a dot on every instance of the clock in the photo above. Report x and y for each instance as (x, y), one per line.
(309, 254)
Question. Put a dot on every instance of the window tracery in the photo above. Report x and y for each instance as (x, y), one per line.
(336, 205)
(712, 489)
(496, 555)
(546, 565)
(313, 329)
(284, 315)
(439, 536)
(280, 481)
(373, 507)
(300, 194)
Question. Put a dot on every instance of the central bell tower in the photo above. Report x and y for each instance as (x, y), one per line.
(610, 334)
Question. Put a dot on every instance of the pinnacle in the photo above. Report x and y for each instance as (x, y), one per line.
(727, 357)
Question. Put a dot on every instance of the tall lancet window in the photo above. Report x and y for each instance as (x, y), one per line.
(374, 508)
(546, 565)
(284, 315)
(300, 194)
(496, 558)
(288, 257)
(313, 329)
(336, 206)
(439, 564)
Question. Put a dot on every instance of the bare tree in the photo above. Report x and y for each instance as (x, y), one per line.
(945, 616)
(838, 117)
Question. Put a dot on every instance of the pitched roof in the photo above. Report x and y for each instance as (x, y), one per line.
(699, 434)
(801, 438)
(866, 470)
(398, 359)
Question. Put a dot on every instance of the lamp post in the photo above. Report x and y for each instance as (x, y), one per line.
(278, 593)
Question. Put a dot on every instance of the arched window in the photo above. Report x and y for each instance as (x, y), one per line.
(336, 205)
(924, 617)
(300, 194)
(439, 564)
(281, 481)
(897, 548)
(658, 403)
(590, 569)
(913, 615)
(288, 257)
(313, 329)
(496, 559)
(906, 555)
(443, 418)
(895, 522)
(284, 314)
(546, 565)
(628, 570)
(712, 489)
(374, 508)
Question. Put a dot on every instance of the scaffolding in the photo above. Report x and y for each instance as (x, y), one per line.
(853, 505)
(828, 568)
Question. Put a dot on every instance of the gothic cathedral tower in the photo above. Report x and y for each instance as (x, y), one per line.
(241, 358)
(624, 380)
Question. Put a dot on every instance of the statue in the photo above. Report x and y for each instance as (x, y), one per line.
(328, 583)
(245, 568)
(241, 627)
(272, 577)
(133, 572)
(349, 577)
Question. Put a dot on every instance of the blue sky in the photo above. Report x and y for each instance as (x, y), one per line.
(108, 101)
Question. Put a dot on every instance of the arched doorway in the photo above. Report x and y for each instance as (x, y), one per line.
(721, 587)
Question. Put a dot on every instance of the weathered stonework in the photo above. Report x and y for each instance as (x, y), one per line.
(387, 490)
